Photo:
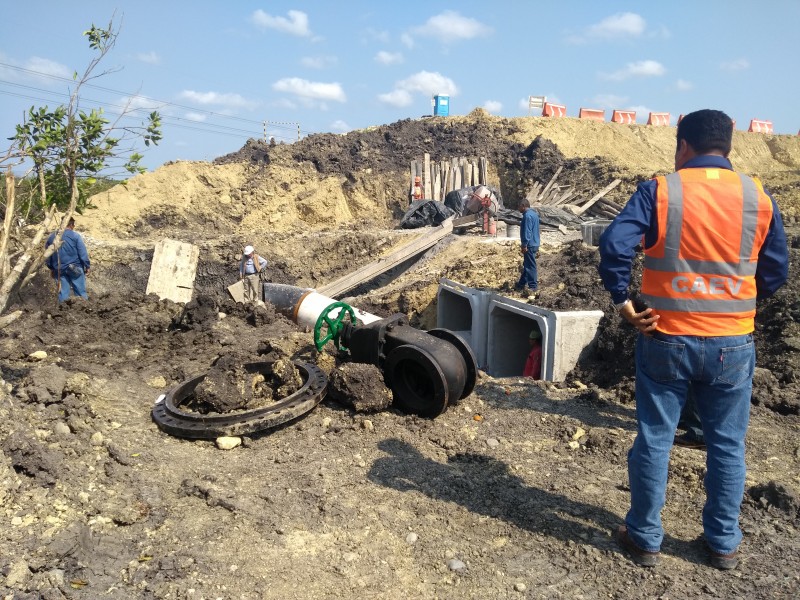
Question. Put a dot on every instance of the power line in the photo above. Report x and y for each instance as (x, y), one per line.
(201, 126)
(128, 94)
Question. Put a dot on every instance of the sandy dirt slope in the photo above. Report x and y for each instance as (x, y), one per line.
(512, 493)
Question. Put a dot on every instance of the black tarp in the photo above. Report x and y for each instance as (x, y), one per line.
(425, 213)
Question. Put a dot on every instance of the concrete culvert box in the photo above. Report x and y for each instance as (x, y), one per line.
(462, 309)
(565, 336)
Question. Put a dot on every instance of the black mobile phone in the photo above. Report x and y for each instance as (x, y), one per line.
(639, 305)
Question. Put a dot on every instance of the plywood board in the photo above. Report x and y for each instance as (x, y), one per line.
(236, 291)
(173, 269)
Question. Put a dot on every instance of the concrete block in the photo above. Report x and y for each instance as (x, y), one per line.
(463, 310)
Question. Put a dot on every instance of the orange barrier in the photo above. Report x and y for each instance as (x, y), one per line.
(659, 119)
(595, 114)
(554, 110)
(623, 116)
(760, 126)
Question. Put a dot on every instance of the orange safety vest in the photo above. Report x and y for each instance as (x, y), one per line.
(699, 276)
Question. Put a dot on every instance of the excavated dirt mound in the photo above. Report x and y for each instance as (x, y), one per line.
(511, 494)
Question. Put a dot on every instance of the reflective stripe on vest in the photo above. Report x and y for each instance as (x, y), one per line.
(706, 297)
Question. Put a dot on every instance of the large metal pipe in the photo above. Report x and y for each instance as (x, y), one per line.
(304, 305)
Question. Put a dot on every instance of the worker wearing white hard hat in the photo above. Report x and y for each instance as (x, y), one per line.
(251, 268)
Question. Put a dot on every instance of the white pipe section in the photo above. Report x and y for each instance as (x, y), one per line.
(313, 304)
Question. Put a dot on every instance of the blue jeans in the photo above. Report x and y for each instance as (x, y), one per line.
(690, 418)
(720, 370)
(530, 276)
(72, 280)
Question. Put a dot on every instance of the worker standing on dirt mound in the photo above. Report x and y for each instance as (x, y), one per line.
(250, 268)
(529, 246)
(713, 243)
(69, 265)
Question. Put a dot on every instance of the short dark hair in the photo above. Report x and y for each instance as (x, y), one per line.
(71, 222)
(524, 203)
(707, 131)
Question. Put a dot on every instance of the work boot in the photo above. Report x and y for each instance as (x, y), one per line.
(643, 558)
(723, 562)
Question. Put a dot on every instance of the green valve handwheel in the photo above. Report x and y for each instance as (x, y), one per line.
(332, 325)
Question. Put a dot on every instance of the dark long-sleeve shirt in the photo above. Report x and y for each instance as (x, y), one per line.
(639, 217)
(71, 252)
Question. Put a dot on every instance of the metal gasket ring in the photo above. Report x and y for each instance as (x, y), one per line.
(173, 420)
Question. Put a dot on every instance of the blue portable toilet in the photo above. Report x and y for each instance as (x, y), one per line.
(441, 105)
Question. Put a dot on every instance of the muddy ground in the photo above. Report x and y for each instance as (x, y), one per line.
(512, 493)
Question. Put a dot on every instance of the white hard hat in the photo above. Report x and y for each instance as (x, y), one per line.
(483, 191)
(248, 250)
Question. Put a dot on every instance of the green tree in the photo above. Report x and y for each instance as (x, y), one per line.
(68, 148)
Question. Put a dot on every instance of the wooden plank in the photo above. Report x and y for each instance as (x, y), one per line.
(426, 170)
(533, 194)
(437, 185)
(413, 170)
(476, 174)
(457, 183)
(172, 270)
(565, 197)
(468, 220)
(484, 170)
(599, 195)
(429, 237)
(551, 182)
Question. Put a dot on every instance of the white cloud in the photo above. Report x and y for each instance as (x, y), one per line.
(141, 103)
(45, 67)
(340, 126)
(310, 89)
(151, 58)
(611, 101)
(450, 26)
(642, 112)
(683, 86)
(428, 83)
(407, 40)
(381, 36)
(398, 98)
(217, 99)
(493, 106)
(318, 62)
(424, 82)
(295, 24)
(198, 117)
(389, 58)
(620, 26)
(740, 64)
(642, 68)
(524, 103)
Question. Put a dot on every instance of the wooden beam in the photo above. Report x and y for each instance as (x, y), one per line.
(429, 237)
(426, 170)
(599, 195)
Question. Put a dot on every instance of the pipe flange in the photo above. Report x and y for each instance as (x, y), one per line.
(171, 419)
(417, 382)
(466, 353)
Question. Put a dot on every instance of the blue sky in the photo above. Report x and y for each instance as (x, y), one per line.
(217, 71)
